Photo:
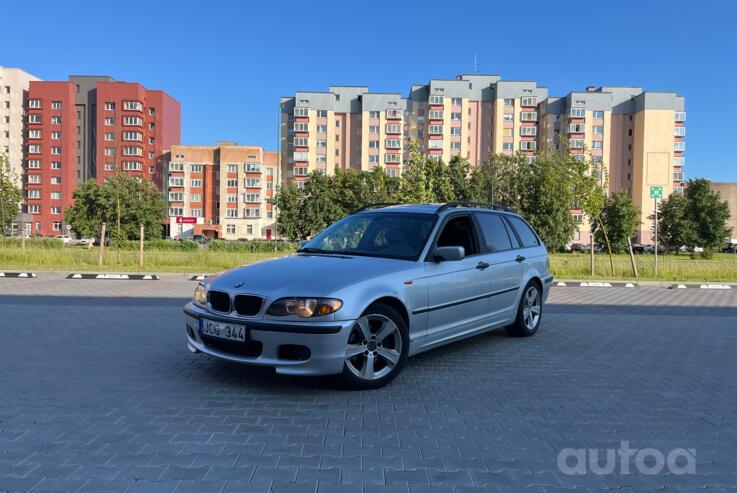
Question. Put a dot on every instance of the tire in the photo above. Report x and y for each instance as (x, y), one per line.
(377, 348)
(529, 312)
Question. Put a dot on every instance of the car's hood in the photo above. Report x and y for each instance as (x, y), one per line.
(305, 274)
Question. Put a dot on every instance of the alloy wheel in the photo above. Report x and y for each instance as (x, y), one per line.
(532, 308)
(374, 347)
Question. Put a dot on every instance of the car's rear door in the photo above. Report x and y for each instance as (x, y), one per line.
(506, 268)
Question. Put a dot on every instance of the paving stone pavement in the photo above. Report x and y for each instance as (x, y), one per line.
(98, 393)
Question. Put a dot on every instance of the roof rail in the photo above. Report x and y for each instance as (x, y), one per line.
(481, 205)
(372, 206)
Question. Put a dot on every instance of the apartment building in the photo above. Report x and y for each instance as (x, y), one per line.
(91, 127)
(346, 127)
(637, 136)
(49, 178)
(13, 95)
(220, 191)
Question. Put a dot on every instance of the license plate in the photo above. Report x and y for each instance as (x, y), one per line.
(231, 332)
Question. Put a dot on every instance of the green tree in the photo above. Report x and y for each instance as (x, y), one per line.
(675, 228)
(123, 202)
(290, 205)
(10, 196)
(620, 218)
(708, 214)
(496, 181)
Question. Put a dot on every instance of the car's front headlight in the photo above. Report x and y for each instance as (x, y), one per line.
(304, 307)
(200, 295)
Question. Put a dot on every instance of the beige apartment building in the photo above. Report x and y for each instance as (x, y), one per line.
(13, 99)
(637, 136)
(220, 191)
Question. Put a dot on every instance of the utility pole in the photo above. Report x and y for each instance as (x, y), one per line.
(591, 243)
(102, 245)
(140, 252)
(656, 237)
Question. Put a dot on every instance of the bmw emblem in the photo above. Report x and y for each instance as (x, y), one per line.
(238, 284)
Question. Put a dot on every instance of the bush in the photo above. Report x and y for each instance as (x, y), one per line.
(40, 243)
(253, 246)
(160, 245)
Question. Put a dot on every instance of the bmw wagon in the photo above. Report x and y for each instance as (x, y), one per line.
(378, 286)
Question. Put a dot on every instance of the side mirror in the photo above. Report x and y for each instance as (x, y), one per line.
(450, 253)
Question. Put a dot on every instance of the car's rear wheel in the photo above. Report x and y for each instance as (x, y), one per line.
(529, 312)
(377, 348)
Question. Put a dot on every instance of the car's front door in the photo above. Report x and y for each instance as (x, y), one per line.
(500, 250)
(457, 289)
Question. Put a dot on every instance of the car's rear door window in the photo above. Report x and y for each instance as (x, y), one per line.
(525, 233)
(495, 236)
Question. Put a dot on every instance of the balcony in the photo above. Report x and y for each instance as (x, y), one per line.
(394, 114)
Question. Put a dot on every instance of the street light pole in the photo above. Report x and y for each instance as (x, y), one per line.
(656, 237)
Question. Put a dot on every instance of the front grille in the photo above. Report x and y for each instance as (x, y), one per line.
(251, 349)
(248, 305)
(219, 301)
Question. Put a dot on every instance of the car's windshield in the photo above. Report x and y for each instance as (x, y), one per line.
(400, 235)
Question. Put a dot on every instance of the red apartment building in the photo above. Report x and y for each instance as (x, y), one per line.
(91, 128)
(50, 173)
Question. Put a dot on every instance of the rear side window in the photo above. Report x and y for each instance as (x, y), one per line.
(525, 233)
(494, 232)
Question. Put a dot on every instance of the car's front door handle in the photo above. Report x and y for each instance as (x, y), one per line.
(482, 265)
(519, 258)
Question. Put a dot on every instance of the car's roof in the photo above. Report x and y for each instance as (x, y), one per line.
(429, 209)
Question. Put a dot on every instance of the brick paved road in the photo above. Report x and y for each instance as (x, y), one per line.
(97, 393)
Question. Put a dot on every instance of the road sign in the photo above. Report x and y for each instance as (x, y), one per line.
(656, 192)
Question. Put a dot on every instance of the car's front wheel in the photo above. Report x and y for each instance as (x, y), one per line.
(377, 348)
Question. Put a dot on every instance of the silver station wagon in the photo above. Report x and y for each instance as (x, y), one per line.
(382, 284)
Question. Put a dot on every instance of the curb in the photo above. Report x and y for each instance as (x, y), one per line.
(702, 286)
(199, 278)
(17, 275)
(118, 277)
(595, 284)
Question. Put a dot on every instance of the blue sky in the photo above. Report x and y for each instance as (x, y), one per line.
(229, 62)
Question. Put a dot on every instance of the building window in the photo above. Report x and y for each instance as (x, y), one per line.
(195, 197)
(176, 166)
(34, 209)
(110, 151)
(132, 106)
(34, 163)
(195, 183)
(33, 194)
(56, 180)
(253, 168)
(509, 117)
(109, 136)
(109, 166)
(528, 145)
(577, 143)
(435, 129)
(135, 121)
(527, 130)
(679, 161)
(230, 229)
(322, 113)
(34, 103)
(231, 213)
(680, 146)
(597, 144)
(195, 212)
(252, 198)
(34, 134)
(599, 115)
(680, 116)
(56, 150)
(680, 131)
(509, 102)
(251, 212)
(56, 105)
(456, 116)
(109, 121)
(131, 166)
(55, 195)
(137, 136)
(392, 143)
(528, 116)
(31, 119)
(300, 171)
(176, 181)
(435, 114)
(252, 182)
(301, 111)
(176, 211)
(109, 106)
(456, 101)
(435, 100)
(529, 101)
(232, 183)
(598, 129)
(577, 112)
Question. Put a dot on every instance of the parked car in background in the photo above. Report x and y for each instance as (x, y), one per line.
(202, 240)
(378, 286)
(96, 241)
(66, 239)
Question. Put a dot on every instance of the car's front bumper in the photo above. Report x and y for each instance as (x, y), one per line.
(326, 342)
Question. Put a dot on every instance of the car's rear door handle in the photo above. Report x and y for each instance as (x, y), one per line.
(482, 265)
(519, 258)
